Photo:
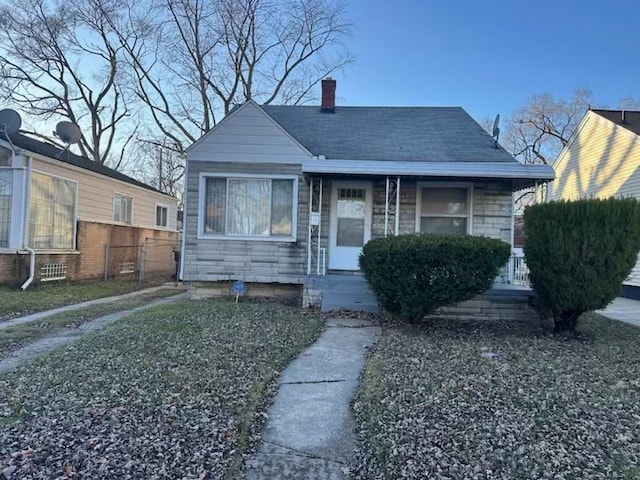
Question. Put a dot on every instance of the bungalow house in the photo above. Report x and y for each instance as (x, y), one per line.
(276, 194)
(602, 159)
(63, 216)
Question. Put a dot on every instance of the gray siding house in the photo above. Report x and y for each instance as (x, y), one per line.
(276, 194)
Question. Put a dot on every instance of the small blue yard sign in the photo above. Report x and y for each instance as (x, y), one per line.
(239, 288)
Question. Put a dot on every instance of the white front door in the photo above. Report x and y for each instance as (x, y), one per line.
(350, 226)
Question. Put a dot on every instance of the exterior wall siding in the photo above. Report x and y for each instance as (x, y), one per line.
(493, 211)
(407, 207)
(603, 160)
(14, 268)
(96, 192)
(634, 277)
(286, 262)
(249, 135)
(248, 260)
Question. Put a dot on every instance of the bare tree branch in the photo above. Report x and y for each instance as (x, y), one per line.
(537, 131)
(61, 61)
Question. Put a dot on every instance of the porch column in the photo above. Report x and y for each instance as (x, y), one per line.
(315, 257)
(392, 207)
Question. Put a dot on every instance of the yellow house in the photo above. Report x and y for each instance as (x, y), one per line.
(65, 217)
(602, 159)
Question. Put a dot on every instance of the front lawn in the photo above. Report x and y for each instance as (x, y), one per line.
(436, 403)
(15, 337)
(46, 296)
(171, 392)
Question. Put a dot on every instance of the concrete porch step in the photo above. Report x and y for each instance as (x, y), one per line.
(364, 302)
(340, 292)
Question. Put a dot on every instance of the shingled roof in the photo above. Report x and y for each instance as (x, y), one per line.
(410, 134)
(48, 150)
(631, 118)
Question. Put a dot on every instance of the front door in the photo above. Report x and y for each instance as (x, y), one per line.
(350, 226)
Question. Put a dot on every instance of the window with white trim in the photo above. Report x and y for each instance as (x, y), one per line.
(249, 207)
(443, 210)
(6, 187)
(122, 208)
(52, 212)
(161, 216)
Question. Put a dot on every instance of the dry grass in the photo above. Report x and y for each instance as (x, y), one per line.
(434, 404)
(172, 392)
(46, 296)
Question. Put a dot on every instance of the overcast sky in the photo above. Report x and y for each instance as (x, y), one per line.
(489, 56)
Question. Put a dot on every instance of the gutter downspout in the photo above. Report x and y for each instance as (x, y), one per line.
(183, 246)
(32, 252)
(32, 268)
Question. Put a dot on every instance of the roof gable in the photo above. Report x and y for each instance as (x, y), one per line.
(248, 134)
(419, 134)
(601, 159)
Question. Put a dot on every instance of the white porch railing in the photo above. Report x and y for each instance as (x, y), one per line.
(517, 270)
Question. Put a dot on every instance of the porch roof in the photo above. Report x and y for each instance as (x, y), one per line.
(522, 174)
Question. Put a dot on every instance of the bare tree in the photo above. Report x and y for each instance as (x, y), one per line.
(198, 58)
(628, 103)
(174, 67)
(62, 61)
(537, 131)
(161, 164)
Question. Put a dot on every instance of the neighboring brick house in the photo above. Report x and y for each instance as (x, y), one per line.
(276, 194)
(602, 159)
(63, 210)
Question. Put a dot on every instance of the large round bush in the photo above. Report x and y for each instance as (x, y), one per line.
(413, 275)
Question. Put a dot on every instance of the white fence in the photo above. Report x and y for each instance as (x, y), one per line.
(517, 270)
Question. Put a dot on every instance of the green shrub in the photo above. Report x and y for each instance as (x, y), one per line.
(413, 275)
(579, 253)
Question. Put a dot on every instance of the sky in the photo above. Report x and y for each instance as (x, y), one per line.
(490, 56)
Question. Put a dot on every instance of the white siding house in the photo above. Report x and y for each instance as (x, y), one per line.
(602, 159)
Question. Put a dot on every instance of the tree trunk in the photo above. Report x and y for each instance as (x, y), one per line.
(566, 321)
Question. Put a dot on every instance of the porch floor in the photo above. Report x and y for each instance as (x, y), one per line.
(344, 292)
(349, 291)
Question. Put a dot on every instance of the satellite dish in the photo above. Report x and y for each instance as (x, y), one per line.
(68, 132)
(496, 130)
(10, 121)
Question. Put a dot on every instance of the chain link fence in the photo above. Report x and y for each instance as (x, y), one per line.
(155, 258)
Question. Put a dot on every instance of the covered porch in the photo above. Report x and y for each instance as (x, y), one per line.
(353, 202)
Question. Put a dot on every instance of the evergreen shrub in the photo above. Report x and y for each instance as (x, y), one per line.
(413, 275)
(579, 253)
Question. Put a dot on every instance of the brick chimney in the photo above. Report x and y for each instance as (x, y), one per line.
(328, 95)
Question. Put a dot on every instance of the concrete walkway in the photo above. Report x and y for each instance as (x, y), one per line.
(310, 430)
(76, 306)
(623, 309)
(68, 335)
